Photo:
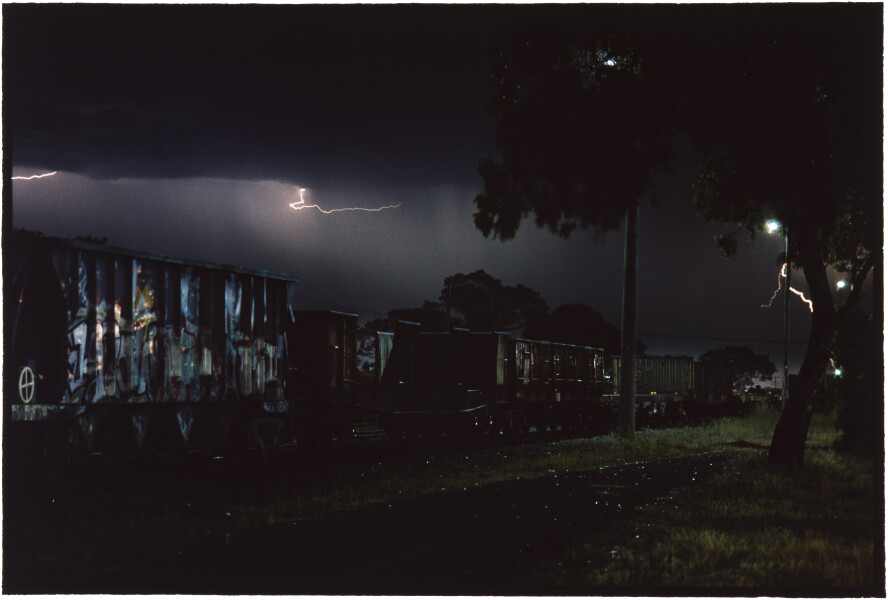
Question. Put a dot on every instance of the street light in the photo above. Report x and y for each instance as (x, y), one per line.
(774, 226)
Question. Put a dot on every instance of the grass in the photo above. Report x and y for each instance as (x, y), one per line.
(752, 527)
(749, 527)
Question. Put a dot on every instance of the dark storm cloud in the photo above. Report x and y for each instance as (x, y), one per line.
(282, 92)
(188, 130)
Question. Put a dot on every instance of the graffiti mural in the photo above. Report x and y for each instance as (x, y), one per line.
(145, 339)
(80, 338)
(147, 332)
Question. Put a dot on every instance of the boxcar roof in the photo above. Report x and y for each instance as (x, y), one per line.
(97, 247)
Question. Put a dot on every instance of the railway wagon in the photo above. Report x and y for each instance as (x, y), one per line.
(111, 351)
(462, 381)
(714, 389)
(662, 385)
(322, 380)
(670, 386)
(434, 382)
(555, 385)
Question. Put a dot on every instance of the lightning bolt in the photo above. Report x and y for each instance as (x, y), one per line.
(29, 178)
(300, 204)
(801, 295)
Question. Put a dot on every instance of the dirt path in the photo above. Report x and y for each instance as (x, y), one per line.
(496, 539)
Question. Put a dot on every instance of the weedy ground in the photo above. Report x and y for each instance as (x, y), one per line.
(806, 530)
(747, 527)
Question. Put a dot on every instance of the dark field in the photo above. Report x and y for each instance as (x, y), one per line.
(671, 511)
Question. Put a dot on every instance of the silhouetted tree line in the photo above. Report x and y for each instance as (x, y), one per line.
(479, 302)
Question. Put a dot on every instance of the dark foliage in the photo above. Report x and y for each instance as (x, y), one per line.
(488, 305)
(746, 365)
(783, 102)
(791, 129)
(580, 122)
(579, 325)
(858, 388)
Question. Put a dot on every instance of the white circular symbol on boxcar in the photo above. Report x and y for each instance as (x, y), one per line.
(26, 384)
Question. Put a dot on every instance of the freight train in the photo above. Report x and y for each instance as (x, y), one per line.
(116, 352)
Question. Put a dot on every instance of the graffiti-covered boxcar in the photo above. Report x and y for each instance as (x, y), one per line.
(111, 351)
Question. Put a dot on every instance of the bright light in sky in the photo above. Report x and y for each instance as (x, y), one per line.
(30, 177)
(772, 226)
(610, 62)
(300, 204)
(791, 289)
(840, 284)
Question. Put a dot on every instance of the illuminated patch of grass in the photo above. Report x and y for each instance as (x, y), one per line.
(757, 425)
(808, 529)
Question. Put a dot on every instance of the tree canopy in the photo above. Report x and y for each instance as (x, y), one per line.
(793, 132)
(579, 125)
(783, 102)
(579, 325)
(487, 305)
(746, 366)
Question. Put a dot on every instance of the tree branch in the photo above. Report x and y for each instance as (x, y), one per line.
(856, 292)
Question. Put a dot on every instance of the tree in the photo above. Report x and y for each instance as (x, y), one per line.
(789, 127)
(432, 316)
(579, 128)
(579, 325)
(793, 132)
(746, 366)
(855, 380)
(487, 305)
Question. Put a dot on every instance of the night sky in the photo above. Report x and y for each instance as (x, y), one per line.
(190, 131)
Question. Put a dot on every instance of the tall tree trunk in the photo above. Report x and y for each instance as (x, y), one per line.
(788, 442)
(630, 324)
